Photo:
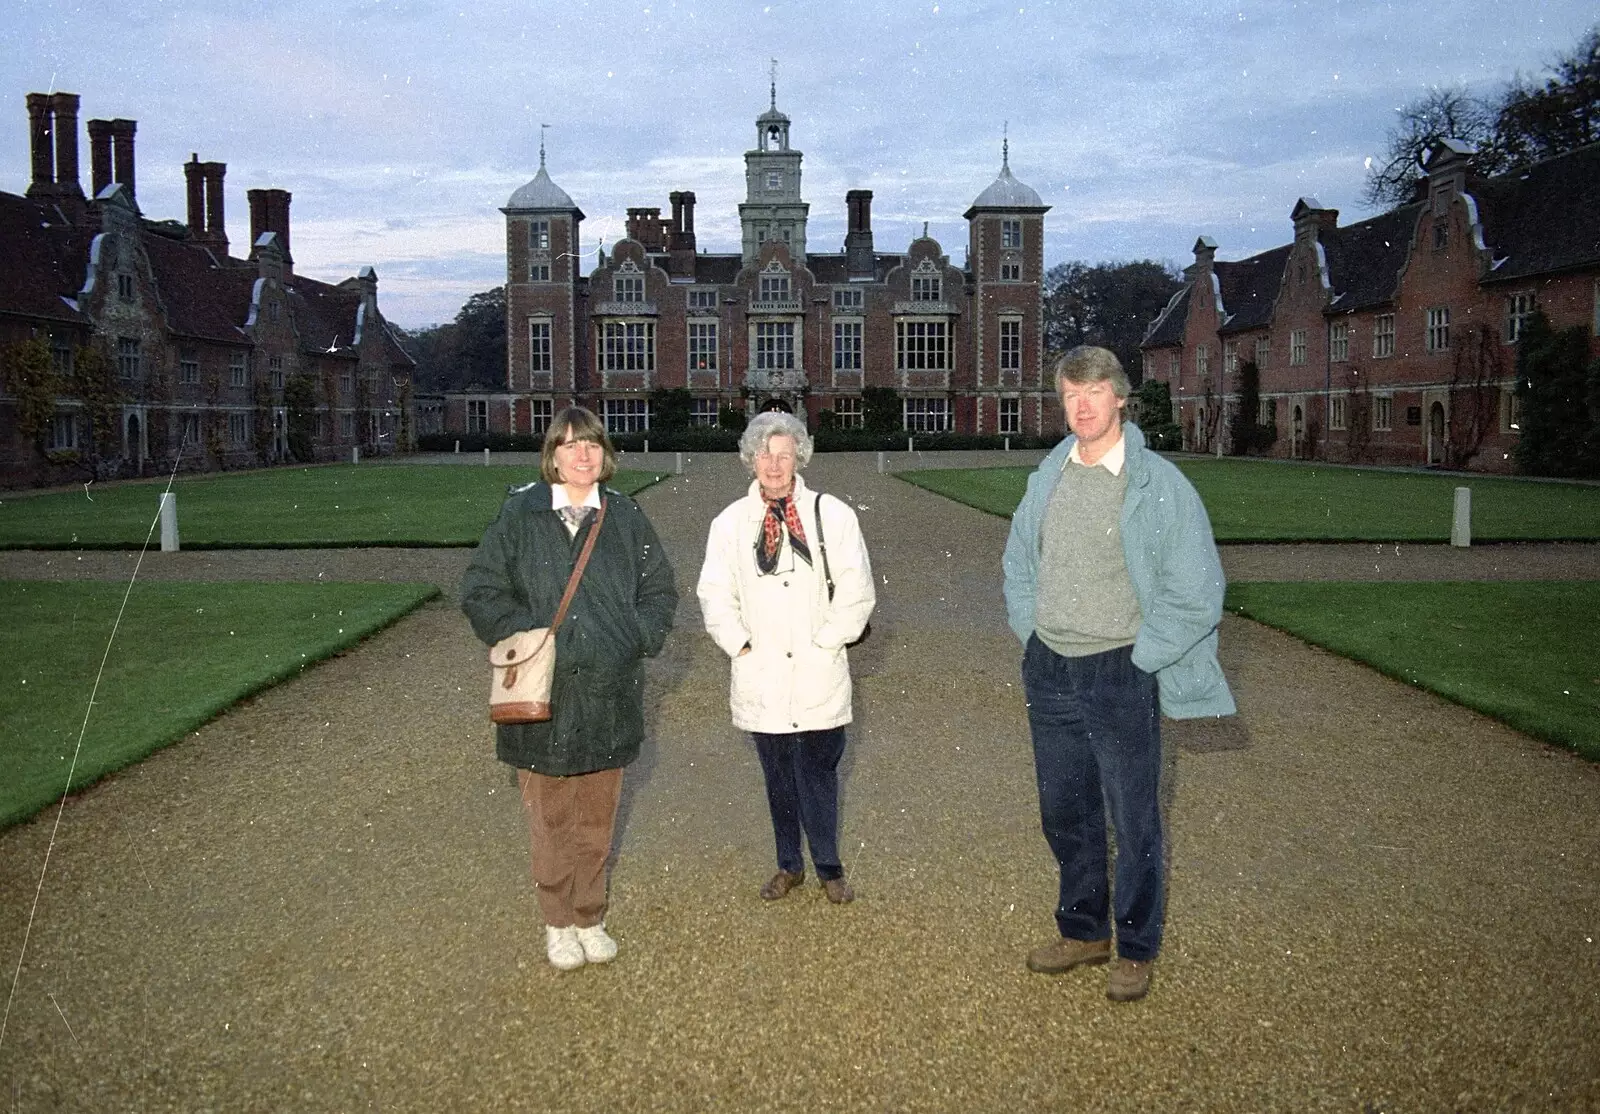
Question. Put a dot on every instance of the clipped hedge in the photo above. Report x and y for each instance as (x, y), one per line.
(703, 440)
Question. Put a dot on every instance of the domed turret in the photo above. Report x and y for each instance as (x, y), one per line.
(1005, 192)
(541, 193)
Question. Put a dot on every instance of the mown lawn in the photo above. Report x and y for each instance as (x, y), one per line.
(182, 654)
(1522, 652)
(327, 506)
(1260, 501)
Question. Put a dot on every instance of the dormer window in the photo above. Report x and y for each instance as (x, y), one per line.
(125, 287)
(1441, 235)
(925, 288)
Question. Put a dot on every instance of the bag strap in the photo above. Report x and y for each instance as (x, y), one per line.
(822, 544)
(577, 570)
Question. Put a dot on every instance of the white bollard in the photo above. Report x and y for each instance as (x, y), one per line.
(486, 454)
(1461, 524)
(909, 449)
(355, 454)
(677, 464)
(880, 462)
(1008, 444)
(647, 444)
(458, 446)
(169, 522)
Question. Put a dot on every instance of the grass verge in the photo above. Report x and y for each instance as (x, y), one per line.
(328, 506)
(1520, 651)
(1262, 501)
(183, 654)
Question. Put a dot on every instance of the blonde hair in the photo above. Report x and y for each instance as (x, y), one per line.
(1088, 364)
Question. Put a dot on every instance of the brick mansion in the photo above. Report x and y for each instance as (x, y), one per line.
(776, 324)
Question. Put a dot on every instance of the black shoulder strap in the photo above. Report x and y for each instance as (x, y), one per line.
(822, 544)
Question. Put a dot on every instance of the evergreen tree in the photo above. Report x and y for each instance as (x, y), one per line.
(300, 400)
(1553, 384)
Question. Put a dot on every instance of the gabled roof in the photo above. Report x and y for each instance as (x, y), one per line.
(1542, 218)
(328, 318)
(45, 261)
(1365, 259)
(201, 295)
(1168, 328)
(1249, 288)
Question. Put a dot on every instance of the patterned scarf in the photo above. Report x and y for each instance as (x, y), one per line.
(572, 517)
(781, 513)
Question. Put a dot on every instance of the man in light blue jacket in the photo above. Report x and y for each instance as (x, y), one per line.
(1113, 584)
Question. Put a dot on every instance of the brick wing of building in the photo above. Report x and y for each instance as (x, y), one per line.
(164, 349)
(775, 324)
(1391, 341)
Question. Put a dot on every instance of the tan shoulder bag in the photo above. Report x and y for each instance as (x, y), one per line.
(523, 665)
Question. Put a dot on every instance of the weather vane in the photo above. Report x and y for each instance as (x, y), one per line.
(542, 128)
(774, 85)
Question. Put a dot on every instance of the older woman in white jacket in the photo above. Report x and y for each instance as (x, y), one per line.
(766, 596)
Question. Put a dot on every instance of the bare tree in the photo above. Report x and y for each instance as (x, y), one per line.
(1439, 114)
(1477, 371)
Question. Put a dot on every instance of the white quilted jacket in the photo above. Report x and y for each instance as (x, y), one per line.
(796, 676)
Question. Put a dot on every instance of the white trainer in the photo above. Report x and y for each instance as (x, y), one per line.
(597, 944)
(561, 945)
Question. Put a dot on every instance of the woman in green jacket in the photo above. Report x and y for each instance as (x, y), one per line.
(569, 768)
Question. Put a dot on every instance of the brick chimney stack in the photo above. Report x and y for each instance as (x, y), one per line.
(195, 189)
(269, 212)
(204, 182)
(858, 235)
(41, 145)
(111, 154)
(216, 227)
(122, 153)
(64, 106)
(99, 155)
(680, 241)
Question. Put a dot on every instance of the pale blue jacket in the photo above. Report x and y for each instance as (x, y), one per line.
(1172, 561)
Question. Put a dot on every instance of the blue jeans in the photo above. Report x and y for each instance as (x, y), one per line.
(1096, 728)
(803, 791)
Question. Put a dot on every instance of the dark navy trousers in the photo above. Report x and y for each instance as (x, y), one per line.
(803, 792)
(1096, 726)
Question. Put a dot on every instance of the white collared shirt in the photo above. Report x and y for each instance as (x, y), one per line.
(559, 497)
(1111, 462)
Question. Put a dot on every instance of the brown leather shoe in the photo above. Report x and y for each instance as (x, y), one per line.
(838, 890)
(1129, 980)
(1061, 955)
(780, 884)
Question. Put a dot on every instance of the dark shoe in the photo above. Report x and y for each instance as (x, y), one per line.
(838, 890)
(1061, 955)
(780, 884)
(1129, 980)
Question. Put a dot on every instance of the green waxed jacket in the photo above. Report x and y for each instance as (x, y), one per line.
(620, 615)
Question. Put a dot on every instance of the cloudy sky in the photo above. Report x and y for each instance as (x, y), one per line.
(401, 126)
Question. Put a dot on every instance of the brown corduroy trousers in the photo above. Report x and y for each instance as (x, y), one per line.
(570, 821)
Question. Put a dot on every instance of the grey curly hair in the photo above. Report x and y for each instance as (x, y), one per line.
(775, 423)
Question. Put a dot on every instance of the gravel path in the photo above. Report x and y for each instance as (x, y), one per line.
(1380, 902)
